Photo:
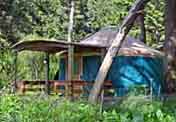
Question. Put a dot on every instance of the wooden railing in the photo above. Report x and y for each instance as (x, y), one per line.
(76, 87)
(25, 85)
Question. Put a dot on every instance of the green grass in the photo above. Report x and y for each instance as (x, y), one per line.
(42, 108)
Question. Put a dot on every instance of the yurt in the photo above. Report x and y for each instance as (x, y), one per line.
(136, 64)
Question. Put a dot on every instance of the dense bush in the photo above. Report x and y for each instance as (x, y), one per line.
(6, 63)
(51, 109)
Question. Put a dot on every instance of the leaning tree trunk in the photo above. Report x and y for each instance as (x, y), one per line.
(170, 44)
(114, 48)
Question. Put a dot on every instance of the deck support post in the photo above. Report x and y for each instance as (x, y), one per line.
(70, 70)
(47, 85)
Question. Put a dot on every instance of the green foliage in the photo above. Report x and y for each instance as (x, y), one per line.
(49, 18)
(51, 109)
(6, 63)
(40, 109)
(103, 13)
(112, 12)
(154, 21)
(31, 66)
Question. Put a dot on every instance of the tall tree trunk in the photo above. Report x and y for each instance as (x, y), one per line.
(70, 49)
(142, 28)
(170, 44)
(114, 48)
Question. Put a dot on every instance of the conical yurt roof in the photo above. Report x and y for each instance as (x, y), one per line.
(130, 46)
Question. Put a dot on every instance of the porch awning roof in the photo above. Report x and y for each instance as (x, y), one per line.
(52, 46)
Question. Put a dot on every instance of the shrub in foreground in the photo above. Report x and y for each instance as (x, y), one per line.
(52, 109)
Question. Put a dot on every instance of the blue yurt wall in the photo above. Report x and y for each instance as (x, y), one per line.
(128, 71)
(91, 66)
(62, 68)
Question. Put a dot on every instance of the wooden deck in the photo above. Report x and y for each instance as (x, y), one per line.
(77, 88)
